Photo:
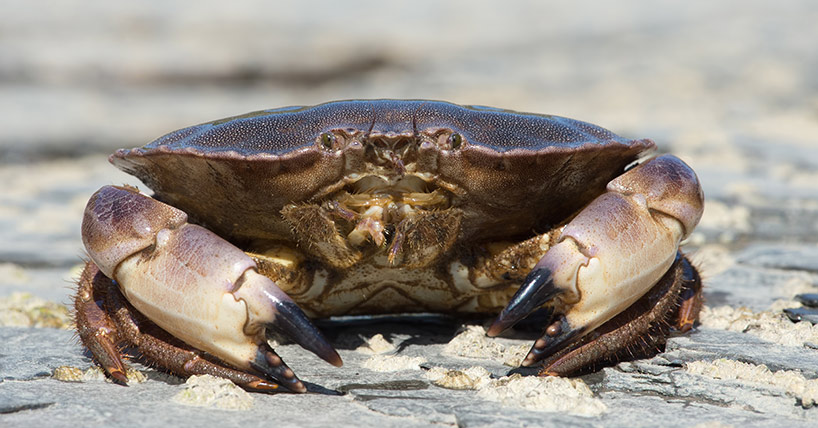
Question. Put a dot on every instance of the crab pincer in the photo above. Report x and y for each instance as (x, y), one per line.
(195, 285)
(608, 257)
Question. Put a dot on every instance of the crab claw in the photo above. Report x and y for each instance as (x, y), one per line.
(554, 281)
(269, 307)
(194, 284)
(611, 254)
(270, 364)
(536, 290)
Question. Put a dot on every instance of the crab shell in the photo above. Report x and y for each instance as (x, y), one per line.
(388, 206)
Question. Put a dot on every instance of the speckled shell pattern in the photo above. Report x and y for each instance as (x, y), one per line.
(515, 171)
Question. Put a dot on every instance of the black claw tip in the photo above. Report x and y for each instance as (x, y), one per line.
(549, 345)
(537, 289)
(294, 324)
(271, 365)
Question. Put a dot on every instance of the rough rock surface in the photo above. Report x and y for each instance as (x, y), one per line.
(731, 87)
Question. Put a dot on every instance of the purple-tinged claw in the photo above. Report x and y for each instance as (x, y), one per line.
(552, 282)
(537, 290)
(294, 324)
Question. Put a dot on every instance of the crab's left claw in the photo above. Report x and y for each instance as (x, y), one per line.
(610, 255)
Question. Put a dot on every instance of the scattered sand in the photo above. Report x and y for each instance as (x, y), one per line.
(473, 343)
(75, 374)
(793, 382)
(473, 378)
(212, 391)
(13, 274)
(772, 326)
(376, 344)
(712, 259)
(732, 220)
(713, 424)
(393, 363)
(792, 287)
(549, 394)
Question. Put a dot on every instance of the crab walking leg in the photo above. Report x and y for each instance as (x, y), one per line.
(611, 254)
(96, 329)
(194, 284)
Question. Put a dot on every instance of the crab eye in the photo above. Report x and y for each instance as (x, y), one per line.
(327, 140)
(455, 140)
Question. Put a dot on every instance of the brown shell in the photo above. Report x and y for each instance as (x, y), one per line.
(516, 172)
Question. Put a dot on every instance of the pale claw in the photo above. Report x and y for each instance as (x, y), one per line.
(610, 254)
(268, 306)
(194, 284)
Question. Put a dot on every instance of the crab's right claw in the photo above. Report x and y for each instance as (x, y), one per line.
(271, 308)
(197, 286)
(611, 254)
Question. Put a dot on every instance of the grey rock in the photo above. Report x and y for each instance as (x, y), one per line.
(649, 408)
(680, 386)
(491, 415)
(709, 344)
(784, 257)
(634, 392)
(32, 353)
(755, 287)
(808, 299)
(809, 315)
(42, 213)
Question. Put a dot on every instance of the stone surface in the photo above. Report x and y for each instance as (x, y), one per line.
(790, 381)
(802, 314)
(34, 353)
(809, 300)
(731, 87)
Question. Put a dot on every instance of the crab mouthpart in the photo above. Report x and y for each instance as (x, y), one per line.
(374, 206)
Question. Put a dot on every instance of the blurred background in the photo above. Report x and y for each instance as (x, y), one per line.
(730, 86)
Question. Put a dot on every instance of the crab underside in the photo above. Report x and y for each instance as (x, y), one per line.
(262, 221)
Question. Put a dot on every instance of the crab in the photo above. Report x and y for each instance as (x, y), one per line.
(261, 222)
